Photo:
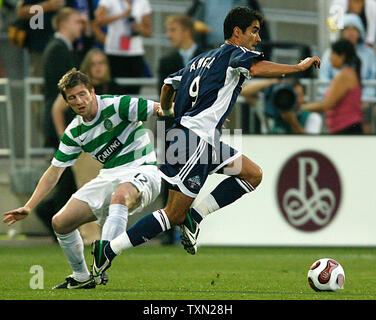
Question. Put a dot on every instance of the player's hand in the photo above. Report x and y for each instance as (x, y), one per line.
(308, 62)
(158, 110)
(164, 113)
(16, 215)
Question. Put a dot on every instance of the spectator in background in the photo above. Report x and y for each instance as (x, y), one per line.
(88, 39)
(342, 101)
(58, 58)
(366, 10)
(98, 32)
(37, 39)
(180, 32)
(128, 22)
(97, 67)
(282, 106)
(354, 32)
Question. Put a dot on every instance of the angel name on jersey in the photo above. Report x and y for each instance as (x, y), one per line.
(205, 62)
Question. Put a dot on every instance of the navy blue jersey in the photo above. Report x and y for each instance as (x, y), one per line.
(208, 87)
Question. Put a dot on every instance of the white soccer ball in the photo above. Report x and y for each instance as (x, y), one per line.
(326, 275)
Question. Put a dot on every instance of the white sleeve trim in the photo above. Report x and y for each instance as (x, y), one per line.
(175, 81)
(60, 164)
(150, 108)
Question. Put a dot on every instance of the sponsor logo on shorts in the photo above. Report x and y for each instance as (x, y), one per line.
(194, 182)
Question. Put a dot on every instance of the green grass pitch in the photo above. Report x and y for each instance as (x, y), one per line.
(214, 273)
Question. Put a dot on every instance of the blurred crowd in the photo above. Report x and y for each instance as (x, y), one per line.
(105, 38)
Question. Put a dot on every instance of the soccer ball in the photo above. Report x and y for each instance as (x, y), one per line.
(326, 275)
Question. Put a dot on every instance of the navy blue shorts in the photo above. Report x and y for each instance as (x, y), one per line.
(189, 160)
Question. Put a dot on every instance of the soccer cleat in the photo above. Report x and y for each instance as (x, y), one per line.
(104, 278)
(189, 233)
(72, 283)
(100, 261)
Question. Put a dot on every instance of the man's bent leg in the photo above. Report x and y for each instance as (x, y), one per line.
(230, 189)
(227, 192)
(154, 223)
(126, 197)
(65, 224)
(143, 230)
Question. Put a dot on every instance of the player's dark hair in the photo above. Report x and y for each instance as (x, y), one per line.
(73, 78)
(346, 48)
(241, 17)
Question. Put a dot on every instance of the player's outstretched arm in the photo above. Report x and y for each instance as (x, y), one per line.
(46, 183)
(271, 69)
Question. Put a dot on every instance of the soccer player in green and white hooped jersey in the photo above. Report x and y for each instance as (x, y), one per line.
(110, 129)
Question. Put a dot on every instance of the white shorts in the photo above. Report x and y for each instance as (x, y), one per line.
(98, 192)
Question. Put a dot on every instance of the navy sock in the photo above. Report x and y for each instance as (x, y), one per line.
(195, 215)
(230, 190)
(227, 192)
(110, 254)
(148, 227)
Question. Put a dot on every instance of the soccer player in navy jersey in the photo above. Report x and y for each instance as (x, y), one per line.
(204, 93)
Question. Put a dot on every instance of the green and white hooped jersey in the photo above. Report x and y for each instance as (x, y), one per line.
(115, 137)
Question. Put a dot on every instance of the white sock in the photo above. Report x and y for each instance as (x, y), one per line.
(116, 222)
(143, 230)
(207, 206)
(120, 243)
(73, 247)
